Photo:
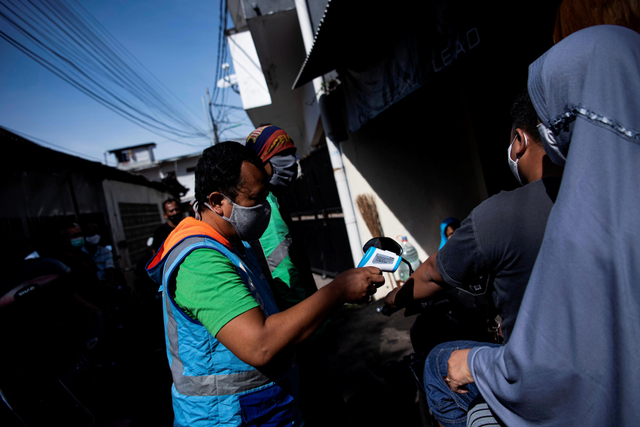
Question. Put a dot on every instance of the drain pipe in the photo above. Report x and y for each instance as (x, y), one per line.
(339, 174)
(335, 152)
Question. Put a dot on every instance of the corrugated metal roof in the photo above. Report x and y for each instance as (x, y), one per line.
(350, 33)
(27, 155)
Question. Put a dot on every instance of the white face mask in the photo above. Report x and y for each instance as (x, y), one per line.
(551, 146)
(93, 240)
(513, 164)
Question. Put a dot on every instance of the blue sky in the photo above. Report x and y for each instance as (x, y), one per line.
(176, 41)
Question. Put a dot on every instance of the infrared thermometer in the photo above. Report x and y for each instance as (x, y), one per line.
(384, 260)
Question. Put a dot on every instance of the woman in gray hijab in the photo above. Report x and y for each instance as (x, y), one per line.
(573, 356)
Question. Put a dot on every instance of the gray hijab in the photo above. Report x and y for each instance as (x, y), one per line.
(574, 355)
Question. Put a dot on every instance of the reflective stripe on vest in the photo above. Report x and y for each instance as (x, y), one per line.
(279, 254)
(204, 385)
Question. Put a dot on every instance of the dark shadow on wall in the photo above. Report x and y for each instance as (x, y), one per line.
(421, 159)
(441, 151)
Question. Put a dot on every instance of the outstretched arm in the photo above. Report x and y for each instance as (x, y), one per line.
(423, 283)
(256, 340)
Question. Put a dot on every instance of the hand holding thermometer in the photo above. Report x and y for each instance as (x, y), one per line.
(385, 260)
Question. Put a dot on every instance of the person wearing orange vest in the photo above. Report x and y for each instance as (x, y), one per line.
(228, 346)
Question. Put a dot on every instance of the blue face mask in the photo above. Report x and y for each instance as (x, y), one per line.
(78, 242)
(249, 222)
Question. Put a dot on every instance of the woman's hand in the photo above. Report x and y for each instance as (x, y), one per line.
(458, 373)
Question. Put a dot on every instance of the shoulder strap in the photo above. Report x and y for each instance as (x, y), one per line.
(180, 251)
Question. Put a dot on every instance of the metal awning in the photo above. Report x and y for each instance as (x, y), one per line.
(349, 33)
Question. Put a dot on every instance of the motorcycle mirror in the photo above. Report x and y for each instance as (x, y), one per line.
(384, 243)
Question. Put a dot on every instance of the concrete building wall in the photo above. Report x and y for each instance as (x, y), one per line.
(251, 82)
(187, 177)
(280, 51)
(419, 158)
(142, 155)
(184, 169)
(420, 161)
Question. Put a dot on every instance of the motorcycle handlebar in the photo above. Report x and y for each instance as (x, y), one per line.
(415, 308)
(386, 310)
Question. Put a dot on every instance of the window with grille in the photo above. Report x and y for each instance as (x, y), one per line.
(139, 221)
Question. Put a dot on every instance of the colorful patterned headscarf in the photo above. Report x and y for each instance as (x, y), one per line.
(268, 141)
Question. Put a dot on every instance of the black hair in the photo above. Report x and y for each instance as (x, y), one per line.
(169, 200)
(455, 224)
(219, 170)
(524, 116)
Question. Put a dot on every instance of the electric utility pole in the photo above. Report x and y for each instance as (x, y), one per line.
(213, 122)
(204, 107)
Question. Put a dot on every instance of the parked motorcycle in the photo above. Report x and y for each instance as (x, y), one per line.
(453, 314)
(46, 332)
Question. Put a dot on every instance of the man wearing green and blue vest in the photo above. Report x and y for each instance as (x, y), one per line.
(284, 261)
(283, 258)
(228, 346)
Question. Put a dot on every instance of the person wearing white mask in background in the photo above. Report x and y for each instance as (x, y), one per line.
(101, 255)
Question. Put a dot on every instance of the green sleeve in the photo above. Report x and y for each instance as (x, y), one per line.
(285, 276)
(210, 290)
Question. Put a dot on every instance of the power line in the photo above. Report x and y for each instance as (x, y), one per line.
(77, 85)
(76, 48)
(233, 107)
(76, 68)
(152, 91)
(222, 48)
(218, 97)
(126, 53)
